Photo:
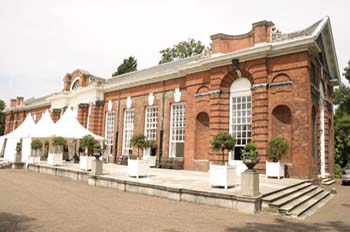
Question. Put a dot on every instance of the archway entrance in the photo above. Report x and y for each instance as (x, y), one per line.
(202, 137)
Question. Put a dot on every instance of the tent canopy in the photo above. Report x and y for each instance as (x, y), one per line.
(69, 127)
(45, 127)
(24, 130)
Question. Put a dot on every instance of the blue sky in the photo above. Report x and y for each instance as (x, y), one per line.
(41, 41)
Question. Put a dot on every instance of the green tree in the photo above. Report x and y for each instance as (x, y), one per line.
(2, 117)
(128, 65)
(138, 141)
(221, 142)
(182, 50)
(342, 123)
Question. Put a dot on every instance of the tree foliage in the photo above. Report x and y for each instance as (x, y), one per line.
(342, 123)
(88, 141)
(128, 65)
(223, 141)
(2, 117)
(277, 148)
(182, 50)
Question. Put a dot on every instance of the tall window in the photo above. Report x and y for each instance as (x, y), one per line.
(109, 135)
(128, 130)
(151, 119)
(240, 115)
(177, 129)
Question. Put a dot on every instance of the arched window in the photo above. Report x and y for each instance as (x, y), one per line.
(240, 114)
(75, 84)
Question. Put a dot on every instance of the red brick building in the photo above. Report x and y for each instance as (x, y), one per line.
(257, 86)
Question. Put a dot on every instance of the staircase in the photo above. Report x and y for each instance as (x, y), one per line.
(300, 200)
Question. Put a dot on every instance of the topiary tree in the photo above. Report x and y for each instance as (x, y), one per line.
(277, 148)
(57, 143)
(88, 141)
(36, 145)
(223, 141)
(138, 141)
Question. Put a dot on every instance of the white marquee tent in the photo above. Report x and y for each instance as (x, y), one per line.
(22, 132)
(69, 127)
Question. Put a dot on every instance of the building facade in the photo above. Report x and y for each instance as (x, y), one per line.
(259, 85)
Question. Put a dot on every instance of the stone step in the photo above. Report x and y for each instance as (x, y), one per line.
(278, 195)
(317, 206)
(288, 198)
(328, 182)
(302, 208)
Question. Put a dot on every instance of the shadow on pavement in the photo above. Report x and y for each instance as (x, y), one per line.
(285, 226)
(12, 222)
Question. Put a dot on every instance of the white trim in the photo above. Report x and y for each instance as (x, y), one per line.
(72, 84)
(240, 88)
(322, 132)
(171, 137)
(128, 128)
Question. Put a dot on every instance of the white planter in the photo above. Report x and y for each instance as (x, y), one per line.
(138, 168)
(274, 169)
(34, 160)
(86, 162)
(55, 159)
(240, 166)
(223, 175)
(151, 160)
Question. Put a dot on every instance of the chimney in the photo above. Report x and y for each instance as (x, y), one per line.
(19, 101)
(262, 31)
(13, 103)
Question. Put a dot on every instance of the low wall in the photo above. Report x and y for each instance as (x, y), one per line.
(240, 203)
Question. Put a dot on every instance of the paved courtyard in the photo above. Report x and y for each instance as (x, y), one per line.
(37, 202)
(182, 178)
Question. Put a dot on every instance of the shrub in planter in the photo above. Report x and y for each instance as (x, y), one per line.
(250, 155)
(88, 141)
(57, 143)
(138, 141)
(221, 142)
(36, 146)
(277, 148)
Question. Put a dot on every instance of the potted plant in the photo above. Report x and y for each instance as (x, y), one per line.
(250, 156)
(36, 146)
(97, 164)
(275, 150)
(88, 143)
(55, 157)
(18, 156)
(222, 174)
(138, 167)
(149, 152)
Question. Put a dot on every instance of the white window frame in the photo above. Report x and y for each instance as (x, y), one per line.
(177, 126)
(240, 125)
(151, 122)
(109, 130)
(128, 130)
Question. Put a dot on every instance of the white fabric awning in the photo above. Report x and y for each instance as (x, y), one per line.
(45, 127)
(69, 127)
(24, 130)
